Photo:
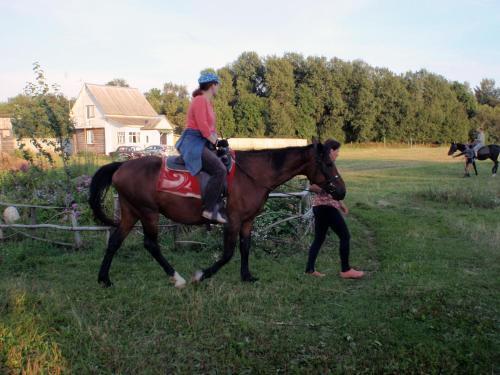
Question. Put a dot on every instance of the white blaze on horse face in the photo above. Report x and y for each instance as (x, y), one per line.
(179, 281)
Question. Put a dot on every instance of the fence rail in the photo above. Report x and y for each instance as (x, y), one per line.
(74, 227)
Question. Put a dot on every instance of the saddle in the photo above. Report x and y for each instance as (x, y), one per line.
(175, 178)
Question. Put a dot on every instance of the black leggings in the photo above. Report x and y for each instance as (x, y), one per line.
(329, 217)
(217, 171)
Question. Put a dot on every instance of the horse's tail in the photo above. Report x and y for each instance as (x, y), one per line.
(99, 184)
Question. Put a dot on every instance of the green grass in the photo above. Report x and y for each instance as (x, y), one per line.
(428, 239)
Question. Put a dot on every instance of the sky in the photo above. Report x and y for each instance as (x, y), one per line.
(150, 42)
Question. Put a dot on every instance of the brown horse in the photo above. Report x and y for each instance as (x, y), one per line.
(257, 174)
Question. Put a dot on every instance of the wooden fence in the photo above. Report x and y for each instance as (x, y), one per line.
(77, 243)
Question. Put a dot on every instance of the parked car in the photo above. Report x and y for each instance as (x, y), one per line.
(127, 152)
(156, 150)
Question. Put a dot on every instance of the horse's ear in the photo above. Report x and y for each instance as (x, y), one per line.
(319, 148)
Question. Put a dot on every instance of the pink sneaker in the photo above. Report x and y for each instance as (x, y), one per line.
(352, 274)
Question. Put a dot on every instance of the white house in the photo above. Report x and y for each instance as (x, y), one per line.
(7, 138)
(109, 116)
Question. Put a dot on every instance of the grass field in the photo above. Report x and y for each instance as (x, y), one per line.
(429, 240)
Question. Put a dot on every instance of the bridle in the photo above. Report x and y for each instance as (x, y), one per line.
(329, 184)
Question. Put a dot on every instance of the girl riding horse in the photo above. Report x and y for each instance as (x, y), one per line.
(198, 142)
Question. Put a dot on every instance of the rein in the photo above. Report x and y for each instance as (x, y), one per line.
(258, 182)
(329, 187)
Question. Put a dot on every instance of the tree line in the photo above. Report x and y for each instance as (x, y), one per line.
(306, 97)
(297, 96)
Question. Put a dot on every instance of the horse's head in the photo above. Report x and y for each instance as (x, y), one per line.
(325, 173)
(453, 148)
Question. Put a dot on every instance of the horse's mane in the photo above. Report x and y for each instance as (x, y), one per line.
(277, 156)
(269, 151)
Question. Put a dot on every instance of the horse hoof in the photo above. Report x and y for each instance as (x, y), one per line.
(106, 283)
(249, 279)
(197, 277)
(178, 281)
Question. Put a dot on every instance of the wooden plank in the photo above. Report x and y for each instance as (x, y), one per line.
(73, 229)
(44, 239)
(54, 226)
(30, 205)
(299, 194)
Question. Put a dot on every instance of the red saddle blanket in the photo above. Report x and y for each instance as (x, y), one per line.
(180, 182)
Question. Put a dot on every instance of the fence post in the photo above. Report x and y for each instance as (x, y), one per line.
(116, 209)
(175, 237)
(33, 215)
(74, 223)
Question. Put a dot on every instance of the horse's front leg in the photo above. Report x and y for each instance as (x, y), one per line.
(475, 168)
(245, 242)
(230, 237)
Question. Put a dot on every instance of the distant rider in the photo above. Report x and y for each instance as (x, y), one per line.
(478, 142)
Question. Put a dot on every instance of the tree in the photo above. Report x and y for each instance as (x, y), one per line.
(223, 104)
(155, 98)
(280, 89)
(360, 101)
(118, 82)
(6, 109)
(249, 73)
(393, 102)
(466, 97)
(488, 118)
(43, 112)
(487, 93)
(173, 102)
(249, 113)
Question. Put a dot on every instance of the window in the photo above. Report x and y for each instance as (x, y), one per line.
(133, 137)
(121, 138)
(90, 111)
(90, 137)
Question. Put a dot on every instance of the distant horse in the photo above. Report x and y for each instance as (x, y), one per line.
(257, 174)
(486, 152)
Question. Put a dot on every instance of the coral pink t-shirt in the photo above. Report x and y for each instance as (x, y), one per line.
(201, 116)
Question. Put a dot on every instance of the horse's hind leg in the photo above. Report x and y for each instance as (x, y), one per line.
(127, 222)
(150, 228)
(230, 238)
(495, 168)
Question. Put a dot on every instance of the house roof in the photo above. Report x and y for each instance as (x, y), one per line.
(140, 121)
(121, 101)
(5, 123)
(160, 125)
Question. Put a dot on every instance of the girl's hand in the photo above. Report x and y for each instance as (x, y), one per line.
(344, 208)
(315, 189)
